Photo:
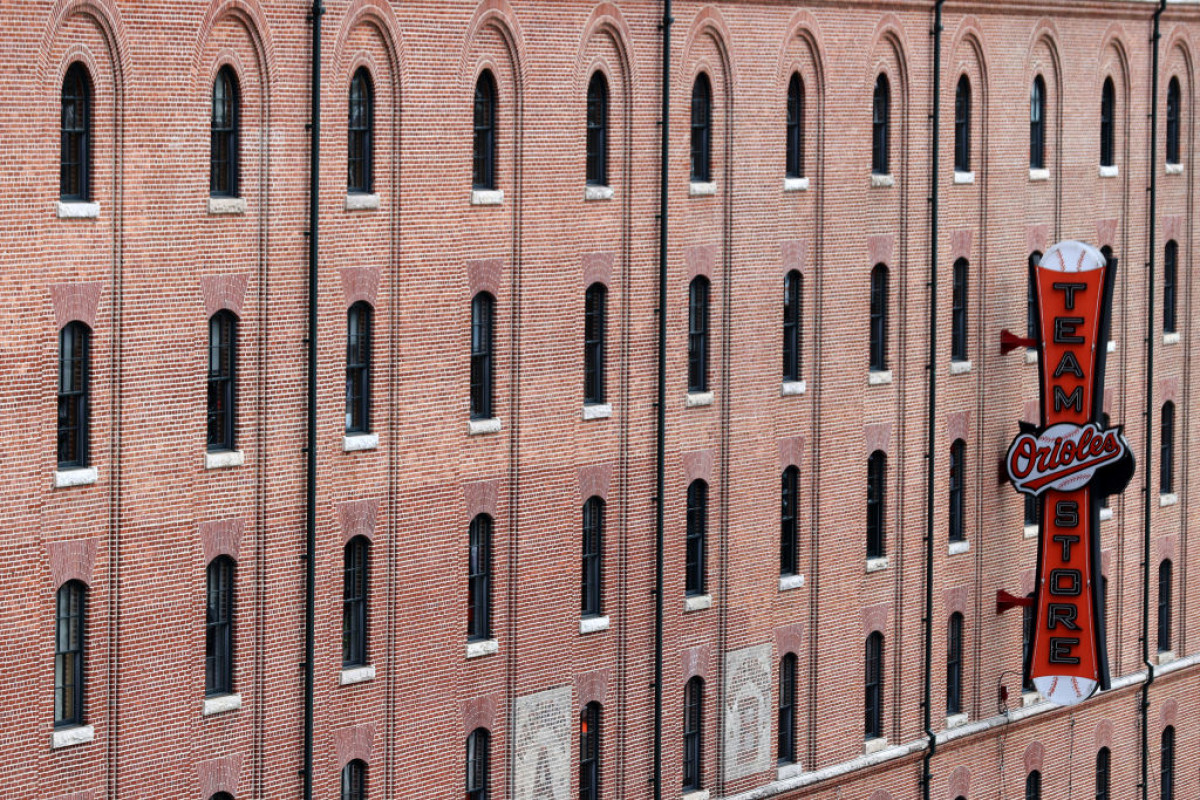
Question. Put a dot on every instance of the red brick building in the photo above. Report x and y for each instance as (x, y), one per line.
(154, 188)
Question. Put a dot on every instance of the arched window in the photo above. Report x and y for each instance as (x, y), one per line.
(958, 312)
(1031, 320)
(786, 741)
(1166, 779)
(1108, 110)
(597, 130)
(1164, 605)
(479, 578)
(360, 139)
(876, 503)
(221, 796)
(358, 368)
(698, 293)
(478, 784)
(354, 601)
(589, 752)
(954, 664)
(789, 515)
(1033, 786)
(484, 172)
(224, 142)
(1028, 617)
(702, 129)
(693, 727)
(595, 323)
(68, 654)
(482, 312)
(1103, 773)
(962, 125)
(1170, 284)
(881, 117)
(1166, 474)
(592, 585)
(879, 317)
(75, 141)
(696, 577)
(222, 373)
(74, 409)
(354, 781)
(793, 326)
(873, 682)
(795, 127)
(958, 505)
(1173, 121)
(1037, 124)
(218, 646)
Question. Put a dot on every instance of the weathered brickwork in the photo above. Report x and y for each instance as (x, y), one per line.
(154, 259)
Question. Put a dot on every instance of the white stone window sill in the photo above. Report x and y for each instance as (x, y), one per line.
(1030, 698)
(695, 399)
(785, 771)
(75, 476)
(1110, 172)
(702, 188)
(220, 459)
(597, 411)
(1030, 531)
(227, 205)
(361, 201)
(792, 388)
(1106, 514)
(593, 624)
(955, 720)
(77, 734)
(487, 197)
(1174, 169)
(357, 675)
(353, 442)
(1112, 346)
(482, 647)
(1039, 174)
(874, 745)
(957, 548)
(879, 377)
(795, 184)
(964, 177)
(1031, 355)
(475, 427)
(1165, 657)
(789, 582)
(1165, 500)
(222, 703)
(700, 795)
(960, 367)
(882, 181)
(597, 193)
(878, 564)
(697, 602)
(77, 209)
(1171, 338)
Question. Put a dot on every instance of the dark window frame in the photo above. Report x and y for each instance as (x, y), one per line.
(225, 135)
(693, 734)
(785, 743)
(696, 556)
(877, 505)
(590, 733)
(1108, 110)
(356, 566)
(360, 134)
(789, 522)
(596, 167)
(354, 780)
(1166, 764)
(1031, 320)
(1033, 785)
(1170, 286)
(954, 664)
(881, 111)
(958, 491)
(483, 171)
(1028, 620)
(595, 329)
(1165, 589)
(960, 297)
(479, 578)
(478, 764)
(793, 326)
(1103, 774)
(75, 135)
(74, 395)
(699, 308)
(1037, 123)
(483, 322)
(1166, 462)
(591, 602)
(359, 330)
(701, 129)
(795, 127)
(70, 630)
(1173, 121)
(222, 381)
(962, 125)
(220, 584)
(878, 319)
(873, 687)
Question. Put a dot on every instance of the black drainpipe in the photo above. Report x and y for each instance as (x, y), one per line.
(1144, 706)
(660, 406)
(310, 446)
(930, 448)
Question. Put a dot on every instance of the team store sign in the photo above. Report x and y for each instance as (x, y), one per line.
(1069, 463)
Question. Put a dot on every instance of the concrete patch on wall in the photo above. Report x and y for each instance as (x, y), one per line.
(543, 745)
(748, 711)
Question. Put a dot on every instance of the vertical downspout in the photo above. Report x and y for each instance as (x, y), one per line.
(310, 446)
(660, 405)
(931, 376)
(1144, 705)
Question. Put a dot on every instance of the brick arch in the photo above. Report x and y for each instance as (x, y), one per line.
(709, 23)
(498, 16)
(1102, 736)
(789, 639)
(1167, 713)
(875, 619)
(224, 293)
(354, 743)
(698, 465)
(481, 497)
(969, 59)
(597, 268)
(1106, 233)
(485, 275)
(878, 436)
(804, 29)
(592, 687)
(249, 14)
(791, 452)
(881, 794)
(606, 20)
(793, 256)
(76, 302)
(360, 284)
(958, 425)
(379, 15)
(960, 783)
(594, 481)
(961, 240)
(694, 662)
(218, 775)
(358, 518)
(221, 538)
(106, 16)
(1034, 756)
(71, 560)
(479, 712)
(955, 599)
